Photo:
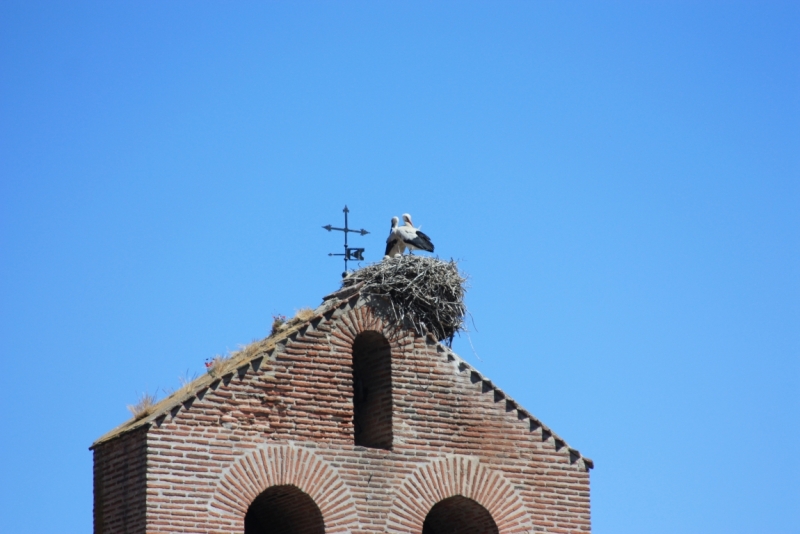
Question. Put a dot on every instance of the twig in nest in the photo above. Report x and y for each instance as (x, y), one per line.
(426, 292)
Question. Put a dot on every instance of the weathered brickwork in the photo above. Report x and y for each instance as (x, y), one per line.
(120, 484)
(284, 420)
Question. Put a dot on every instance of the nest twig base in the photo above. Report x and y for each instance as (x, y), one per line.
(423, 292)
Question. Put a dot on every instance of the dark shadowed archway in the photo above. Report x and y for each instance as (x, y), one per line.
(283, 510)
(372, 390)
(459, 515)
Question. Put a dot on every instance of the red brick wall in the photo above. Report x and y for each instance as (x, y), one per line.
(120, 470)
(290, 422)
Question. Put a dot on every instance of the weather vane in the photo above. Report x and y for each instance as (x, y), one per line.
(352, 254)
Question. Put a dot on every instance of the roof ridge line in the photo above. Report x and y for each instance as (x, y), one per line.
(522, 413)
(239, 363)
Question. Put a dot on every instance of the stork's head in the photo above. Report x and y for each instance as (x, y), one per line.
(407, 219)
(395, 220)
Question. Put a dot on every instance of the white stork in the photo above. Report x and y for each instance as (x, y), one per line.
(413, 238)
(394, 244)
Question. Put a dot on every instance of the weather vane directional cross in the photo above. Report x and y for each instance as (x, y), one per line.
(352, 254)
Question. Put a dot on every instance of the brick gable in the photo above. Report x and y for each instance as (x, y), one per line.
(283, 416)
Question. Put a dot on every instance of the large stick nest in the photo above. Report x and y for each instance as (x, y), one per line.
(423, 292)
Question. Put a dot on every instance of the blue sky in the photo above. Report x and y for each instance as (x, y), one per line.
(619, 181)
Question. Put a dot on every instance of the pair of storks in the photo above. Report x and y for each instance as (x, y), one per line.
(406, 237)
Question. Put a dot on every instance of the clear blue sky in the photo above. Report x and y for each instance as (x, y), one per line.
(620, 181)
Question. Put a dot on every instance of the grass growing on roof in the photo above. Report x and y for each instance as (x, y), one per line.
(144, 406)
(304, 314)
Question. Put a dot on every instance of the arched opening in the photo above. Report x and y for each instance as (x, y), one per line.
(372, 391)
(460, 515)
(283, 510)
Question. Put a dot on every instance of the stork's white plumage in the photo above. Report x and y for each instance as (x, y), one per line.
(394, 244)
(413, 238)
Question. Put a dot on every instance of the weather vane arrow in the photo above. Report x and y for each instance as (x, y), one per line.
(351, 254)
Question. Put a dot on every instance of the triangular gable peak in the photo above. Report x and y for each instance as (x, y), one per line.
(262, 356)
(279, 423)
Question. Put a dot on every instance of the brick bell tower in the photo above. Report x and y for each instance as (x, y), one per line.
(344, 420)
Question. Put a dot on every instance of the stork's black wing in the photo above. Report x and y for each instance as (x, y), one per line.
(389, 246)
(421, 241)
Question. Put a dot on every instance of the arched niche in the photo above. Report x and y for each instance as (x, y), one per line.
(457, 476)
(372, 390)
(283, 510)
(459, 514)
(268, 466)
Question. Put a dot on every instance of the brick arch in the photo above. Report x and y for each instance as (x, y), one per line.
(363, 319)
(451, 476)
(273, 465)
